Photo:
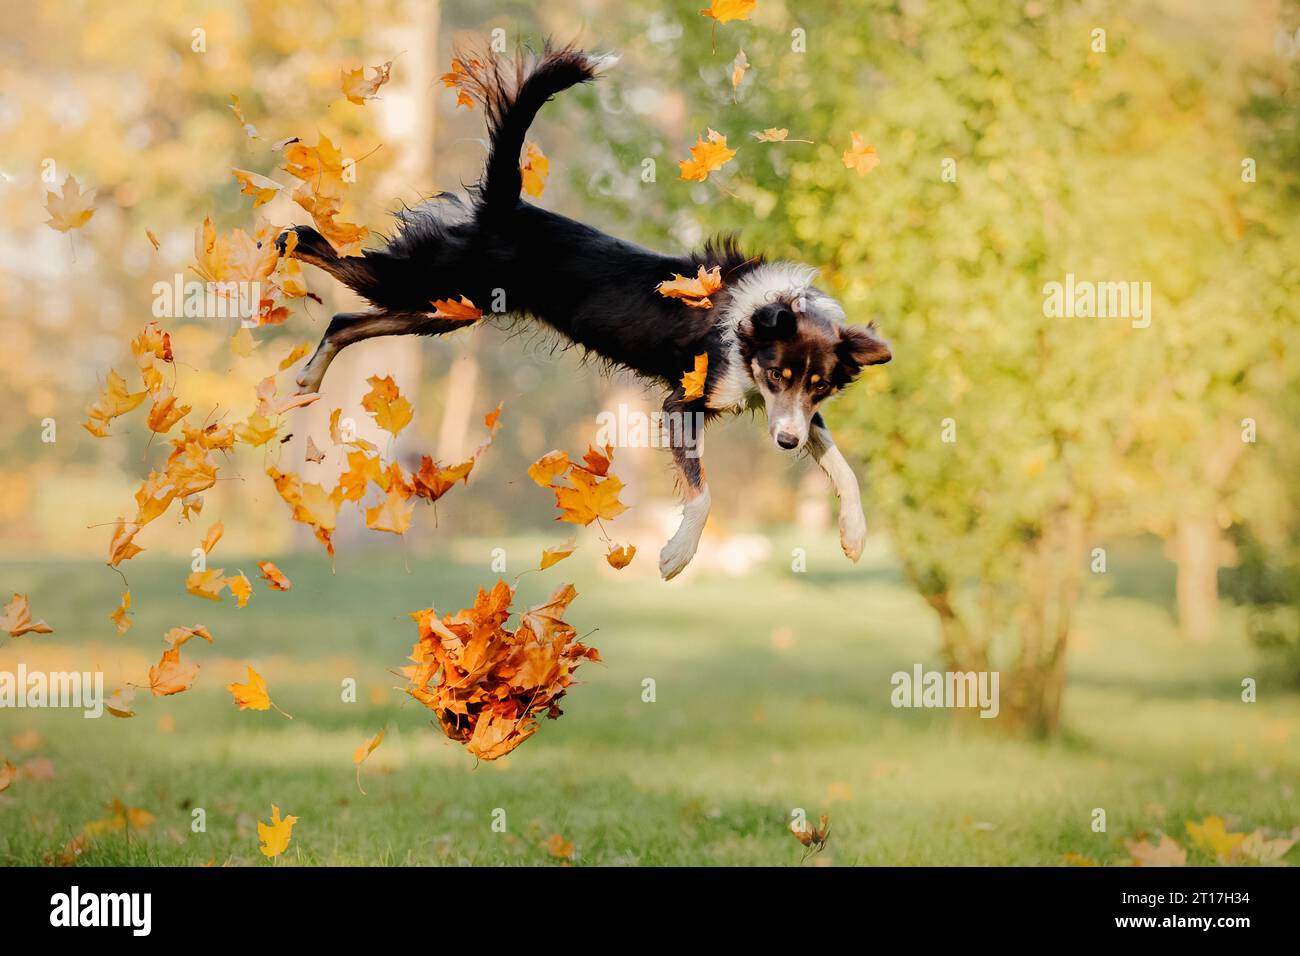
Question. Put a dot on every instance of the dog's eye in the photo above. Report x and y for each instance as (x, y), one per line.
(774, 375)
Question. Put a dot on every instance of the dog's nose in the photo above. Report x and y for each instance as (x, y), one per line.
(787, 440)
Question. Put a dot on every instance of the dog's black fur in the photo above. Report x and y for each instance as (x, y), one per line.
(597, 291)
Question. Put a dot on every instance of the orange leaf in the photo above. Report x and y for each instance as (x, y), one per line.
(171, 676)
(545, 469)
(723, 11)
(274, 577)
(693, 382)
(861, 157)
(621, 556)
(464, 310)
(213, 536)
(393, 514)
(119, 617)
(73, 209)
(274, 836)
(706, 157)
(693, 292)
(391, 411)
(16, 618)
(240, 589)
(358, 89)
(206, 584)
(534, 170)
(555, 555)
(591, 497)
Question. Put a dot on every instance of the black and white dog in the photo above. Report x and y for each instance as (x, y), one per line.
(771, 337)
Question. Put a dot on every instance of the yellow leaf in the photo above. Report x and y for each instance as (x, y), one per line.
(240, 588)
(119, 617)
(275, 836)
(706, 157)
(557, 554)
(358, 89)
(73, 209)
(16, 618)
(621, 556)
(861, 157)
(693, 382)
(545, 469)
(206, 584)
(393, 514)
(723, 11)
(261, 188)
(591, 497)
(535, 169)
(1212, 836)
(390, 409)
(253, 695)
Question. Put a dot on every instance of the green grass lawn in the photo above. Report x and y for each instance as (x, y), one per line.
(772, 694)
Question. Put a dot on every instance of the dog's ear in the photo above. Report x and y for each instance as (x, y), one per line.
(859, 346)
(774, 321)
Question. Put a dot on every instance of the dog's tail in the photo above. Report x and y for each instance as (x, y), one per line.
(511, 93)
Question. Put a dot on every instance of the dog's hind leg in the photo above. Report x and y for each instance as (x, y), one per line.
(683, 425)
(347, 328)
(853, 523)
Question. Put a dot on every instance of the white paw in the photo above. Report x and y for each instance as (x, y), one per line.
(853, 532)
(313, 373)
(676, 554)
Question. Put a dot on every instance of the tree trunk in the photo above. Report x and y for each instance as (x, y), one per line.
(1196, 546)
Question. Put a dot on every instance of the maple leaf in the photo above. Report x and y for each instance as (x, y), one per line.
(364, 751)
(777, 135)
(256, 430)
(535, 169)
(240, 589)
(545, 469)
(171, 675)
(178, 637)
(860, 156)
(213, 536)
(320, 169)
(394, 513)
(206, 584)
(261, 188)
(591, 497)
(464, 310)
(552, 556)
(812, 839)
(738, 68)
(1166, 853)
(253, 695)
(621, 556)
(1257, 848)
(119, 617)
(119, 704)
(598, 462)
(16, 618)
(1212, 836)
(357, 88)
(558, 847)
(693, 292)
(274, 577)
(455, 79)
(389, 408)
(433, 480)
(165, 413)
(274, 836)
(693, 381)
(121, 817)
(120, 547)
(706, 157)
(73, 209)
(113, 402)
(724, 11)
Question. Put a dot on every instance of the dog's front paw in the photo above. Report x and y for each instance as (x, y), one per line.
(676, 554)
(853, 532)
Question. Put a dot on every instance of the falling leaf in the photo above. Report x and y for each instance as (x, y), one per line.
(555, 555)
(240, 589)
(776, 135)
(242, 343)
(535, 169)
(464, 310)
(545, 469)
(119, 617)
(274, 577)
(256, 430)
(262, 189)
(390, 409)
(724, 11)
(120, 547)
(297, 352)
(558, 847)
(253, 695)
(178, 637)
(171, 675)
(206, 584)
(455, 80)
(738, 67)
(1212, 836)
(693, 381)
(589, 498)
(249, 129)
(621, 556)
(115, 401)
(860, 156)
(73, 209)
(393, 514)
(119, 704)
(358, 89)
(1166, 853)
(364, 751)
(706, 157)
(213, 536)
(275, 836)
(16, 618)
(693, 292)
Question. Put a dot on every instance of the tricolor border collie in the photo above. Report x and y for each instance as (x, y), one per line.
(772, 338)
